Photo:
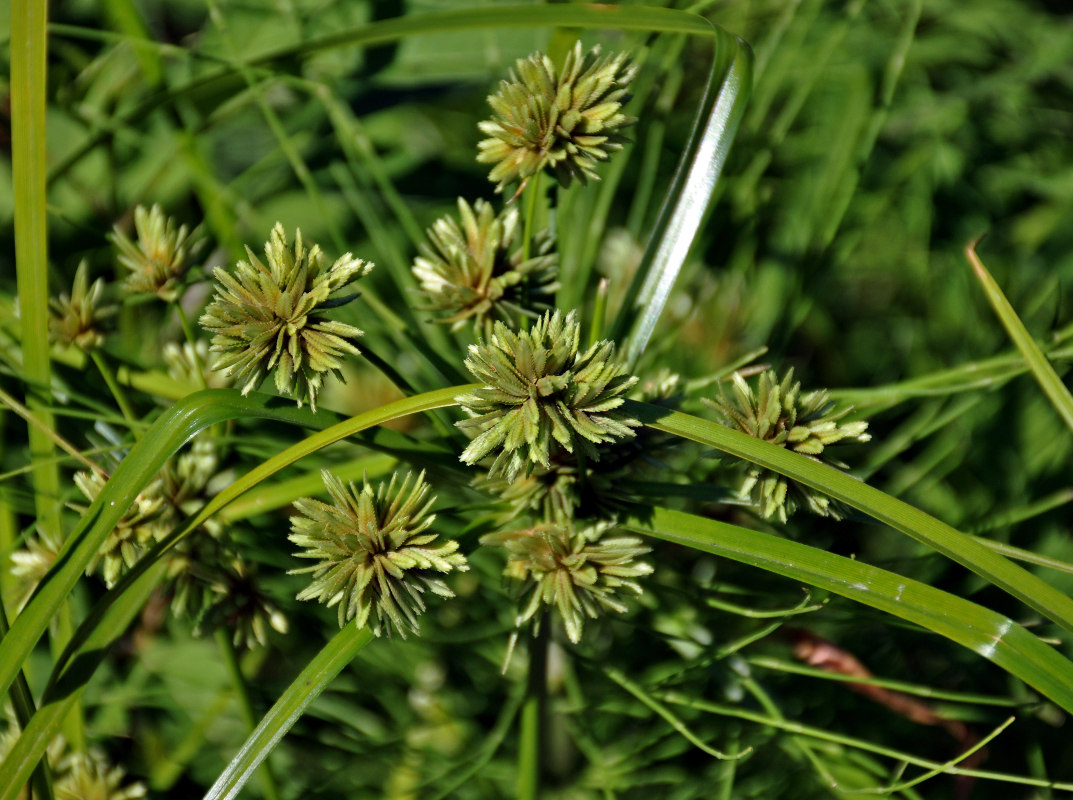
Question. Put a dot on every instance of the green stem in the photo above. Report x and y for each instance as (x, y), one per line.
(532, 193)
(116, 390)
(533, 713)
(245, 704)
(188, 332)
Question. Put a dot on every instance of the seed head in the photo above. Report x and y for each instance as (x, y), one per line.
(476, 271)
(158, 261)
(270, 318)
(375, 558)
(141, 526)
(77, 318)
(808, 423)
(541, 394)
(237, 603)
(565, 120)
(578, 572)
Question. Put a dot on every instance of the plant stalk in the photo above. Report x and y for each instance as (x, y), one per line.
(117, 391)
(532, 716)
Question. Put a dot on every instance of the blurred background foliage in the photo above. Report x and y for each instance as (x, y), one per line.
(880, 139)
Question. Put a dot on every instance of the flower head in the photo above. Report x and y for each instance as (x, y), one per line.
(808, 423)
(29, 565)
(270, 318)
(476, 271)
(238, 604)
(76, 318)
(577, 572)
(140, 527)
(540, 393)
(158, 261)
(375, 556)
(186, 362)
(565, 120)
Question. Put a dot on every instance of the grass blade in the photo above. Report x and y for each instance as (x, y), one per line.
(901, 516)
(987, 633)
(29, 91)
(319, 672)
(1042, 370)
(689, 195)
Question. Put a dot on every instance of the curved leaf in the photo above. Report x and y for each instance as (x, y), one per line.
(901, 516)
(985, 632)
(688, 196)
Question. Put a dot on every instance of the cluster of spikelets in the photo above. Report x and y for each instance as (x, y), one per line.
(159, 260)
(268, 318)
(542, 392)
(808, 423)
(565, 120)
(78, 319)
(375, 555)
(474, 269)
(578, 572)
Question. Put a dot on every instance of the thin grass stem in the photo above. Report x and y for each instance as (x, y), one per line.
(117, 391)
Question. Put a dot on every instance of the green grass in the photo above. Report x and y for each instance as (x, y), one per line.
(804, 200)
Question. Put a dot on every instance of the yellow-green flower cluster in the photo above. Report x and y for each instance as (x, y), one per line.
(139, 529)
(268, 317)
(566, 119)
(158, 260)
(473, 269)
(542, 393)
(807, 423)
(375, 555)
(76, 319)
(577, 572)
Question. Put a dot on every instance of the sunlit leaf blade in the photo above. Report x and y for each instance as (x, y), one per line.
(901, 516)
(985, 632)
(689, 195)
(1042, 370)
(319, 672)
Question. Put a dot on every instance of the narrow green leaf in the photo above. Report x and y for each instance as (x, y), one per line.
(29, 91)
(985, 632)
(313, 680)
(901, 516)
(1042, 370)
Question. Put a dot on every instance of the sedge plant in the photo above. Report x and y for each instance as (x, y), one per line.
(524, 525)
